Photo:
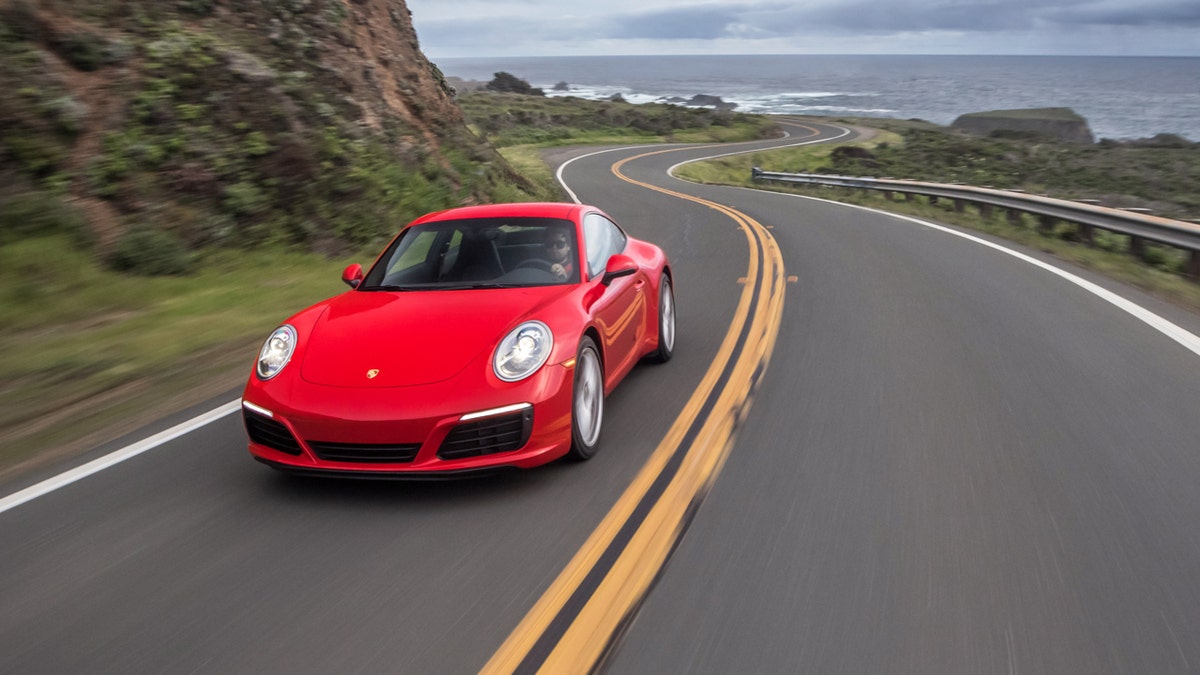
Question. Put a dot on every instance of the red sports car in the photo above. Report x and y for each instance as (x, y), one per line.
(483, 337)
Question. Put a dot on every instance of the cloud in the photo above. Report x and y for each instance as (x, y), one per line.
(1174, 14)
(774, 19)
(675, 24)
(683, 26)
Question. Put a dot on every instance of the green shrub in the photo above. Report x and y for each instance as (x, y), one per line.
(38, 213)
(85, 51)
(197, 7)
(150, 252)
(245, 199)
(19, 20)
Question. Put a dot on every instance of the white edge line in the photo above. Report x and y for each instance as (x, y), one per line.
(559, 174)
(575, 198)
(1172, 330)
(99, 464)
(845, 132)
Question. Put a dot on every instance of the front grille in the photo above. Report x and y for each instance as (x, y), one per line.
(502, 433)
(360, 452)
(269, 432)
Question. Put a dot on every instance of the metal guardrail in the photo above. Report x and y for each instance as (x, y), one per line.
(1138, 226)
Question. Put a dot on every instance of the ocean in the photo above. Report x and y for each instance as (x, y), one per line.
(1121, 97)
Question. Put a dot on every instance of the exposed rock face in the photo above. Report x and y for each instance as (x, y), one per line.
(1061, 123)
(234, 122)
(388, 73)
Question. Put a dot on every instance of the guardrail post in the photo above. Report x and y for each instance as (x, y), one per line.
(1014, 217)
(933, 199)
(1137, 247)
(985, 210)
(1046, 224)
(1086, 234)
(959, 206)
(1192, 269)
(887, 194)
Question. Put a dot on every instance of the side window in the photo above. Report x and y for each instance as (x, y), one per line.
(414, 254)
(603, 239)
(424, 258)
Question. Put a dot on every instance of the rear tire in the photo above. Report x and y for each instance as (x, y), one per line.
(587, 401)
(666, 323)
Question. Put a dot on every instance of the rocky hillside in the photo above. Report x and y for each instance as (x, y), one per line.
(152, 126)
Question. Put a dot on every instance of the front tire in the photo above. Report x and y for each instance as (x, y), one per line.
(587, 401)
(666, 322)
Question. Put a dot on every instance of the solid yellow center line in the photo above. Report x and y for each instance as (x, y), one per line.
(589, 613)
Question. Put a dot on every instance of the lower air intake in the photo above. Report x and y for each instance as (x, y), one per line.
(487, 436)
(266, 431)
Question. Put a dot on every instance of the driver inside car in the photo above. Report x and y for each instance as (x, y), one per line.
(558, 252)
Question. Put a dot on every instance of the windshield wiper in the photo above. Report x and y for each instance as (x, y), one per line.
(471, 287)
(391, 288)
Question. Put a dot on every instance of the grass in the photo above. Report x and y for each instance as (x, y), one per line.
(84, 347)
(513, 120)
(1160, 173)
(527, 161)
(804, 159)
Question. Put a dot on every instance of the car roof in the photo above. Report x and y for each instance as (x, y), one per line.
(563, 210)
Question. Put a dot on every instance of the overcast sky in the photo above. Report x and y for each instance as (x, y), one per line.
(572, 27)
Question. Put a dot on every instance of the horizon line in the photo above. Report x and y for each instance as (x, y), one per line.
(891, 55)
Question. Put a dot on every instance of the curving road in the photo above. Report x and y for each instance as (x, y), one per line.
(955, 462)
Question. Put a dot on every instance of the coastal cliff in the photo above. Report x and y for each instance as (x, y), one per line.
(313, 122)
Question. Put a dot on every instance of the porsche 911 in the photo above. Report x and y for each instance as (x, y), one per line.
(482, 338)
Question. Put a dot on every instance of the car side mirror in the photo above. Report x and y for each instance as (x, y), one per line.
(353, 275)
(618, 266)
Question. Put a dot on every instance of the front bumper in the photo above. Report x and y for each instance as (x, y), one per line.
(409, 431)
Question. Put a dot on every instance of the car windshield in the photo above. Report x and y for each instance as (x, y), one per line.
(478, 253)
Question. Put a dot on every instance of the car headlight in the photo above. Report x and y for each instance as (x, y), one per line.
(523, 351)
(276, 352)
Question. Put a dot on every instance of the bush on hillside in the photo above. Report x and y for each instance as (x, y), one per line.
(150, 252)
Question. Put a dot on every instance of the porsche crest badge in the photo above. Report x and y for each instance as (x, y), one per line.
(372, 373)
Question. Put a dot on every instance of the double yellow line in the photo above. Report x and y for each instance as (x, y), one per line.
(580, 618)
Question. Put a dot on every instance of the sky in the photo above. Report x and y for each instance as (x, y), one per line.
(465, 28)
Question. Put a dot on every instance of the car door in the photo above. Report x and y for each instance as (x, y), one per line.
(620, 310)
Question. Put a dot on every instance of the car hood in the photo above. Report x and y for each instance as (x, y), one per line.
(398, 339)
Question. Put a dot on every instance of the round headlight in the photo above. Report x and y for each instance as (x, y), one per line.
(523, 351)
(276, 352)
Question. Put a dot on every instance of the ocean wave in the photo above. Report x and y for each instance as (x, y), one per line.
(813, 94)
(783, 103)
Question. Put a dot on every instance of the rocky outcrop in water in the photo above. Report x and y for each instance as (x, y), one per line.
(702, 101)
(1060, 123)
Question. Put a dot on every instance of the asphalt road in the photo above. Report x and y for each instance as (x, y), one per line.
(957, 462)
